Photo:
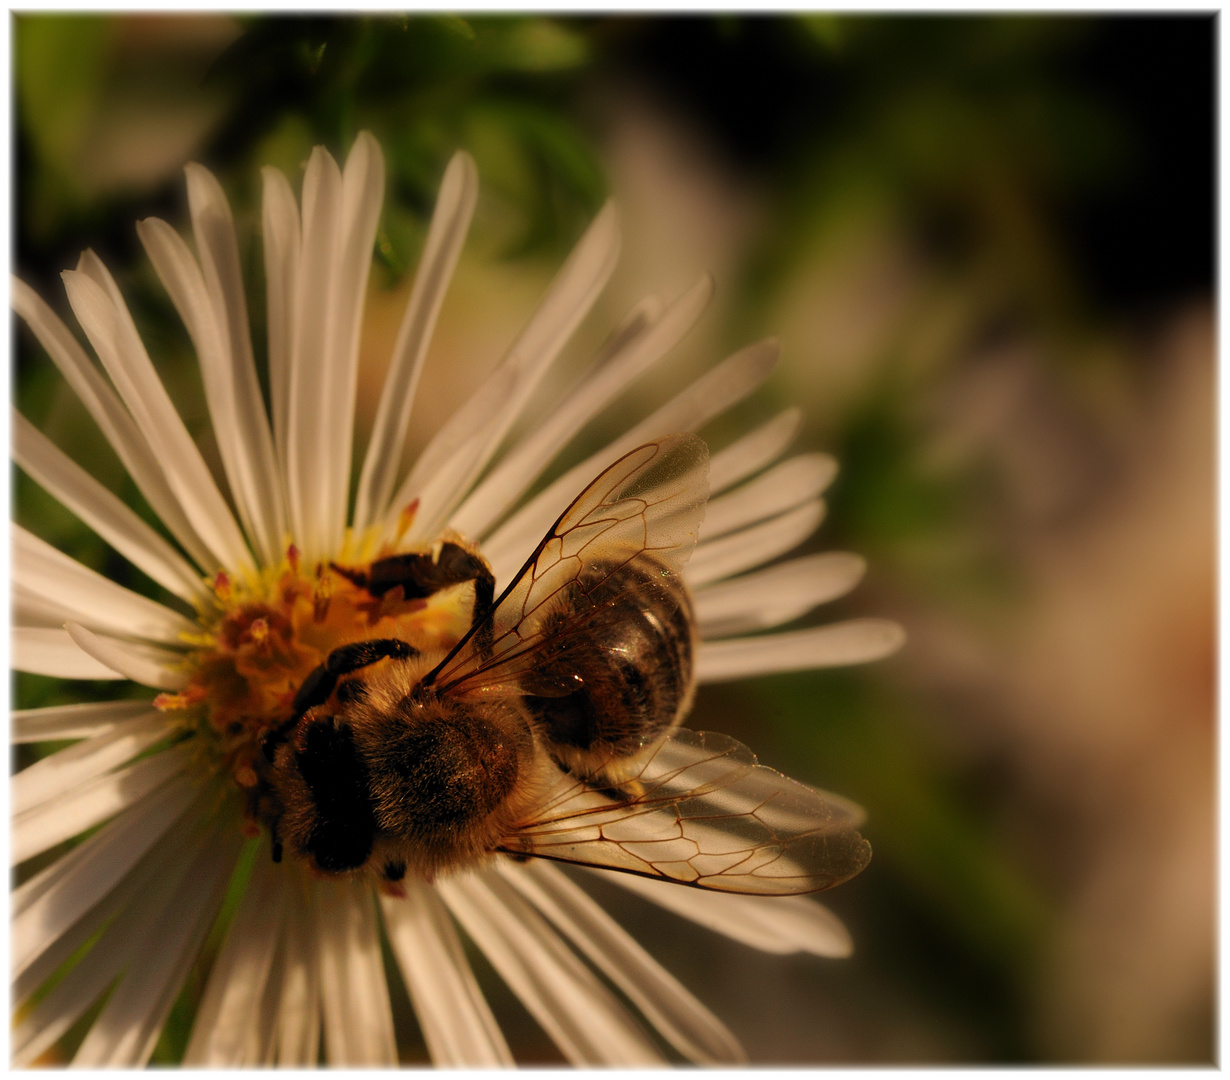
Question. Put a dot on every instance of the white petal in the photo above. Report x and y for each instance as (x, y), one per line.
(609, 374)
(739, 551)
(32, 610)
(83, 721)
(262, 1049)
(66, 481)
(144, 664)
(109, 329)
(214, 228)
(449, 224)
(753, 451)
(39, 1029)
(111, 416)
(580, 1015)
(857, 641)
(297, 1038)
(354, 991)
(127, 1030)
(182, 279)
(456, 455)
(455, 1018)
(777, 924)
(710, 395)
(89, 264)
(58, 773)
(225, 355)
(782, 488)
(776, 595)
(224, 1032)
(340, 213)
(639, 320)
(281, 228)
(140, 387)
(45, 651)
(455, 470)
(130, 909)
(309, 450)
(92, 802)
(92, 598)
(55, 898)
(172, 850)
(691, 1028)
(362, 196)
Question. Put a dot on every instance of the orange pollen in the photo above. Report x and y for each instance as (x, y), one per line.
(292, 557)
(321, 595)
(185, 700)
(406, 518)
(222, 586)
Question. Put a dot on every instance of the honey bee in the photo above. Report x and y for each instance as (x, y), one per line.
(552, 729)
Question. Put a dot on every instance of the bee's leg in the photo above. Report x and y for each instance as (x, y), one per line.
(322, 681)
(358, 654)
(484, 598)
(418, 573)
(421, 576)
(343, 660)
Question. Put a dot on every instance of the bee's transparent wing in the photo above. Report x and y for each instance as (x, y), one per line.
(701, 811)
(649, 503)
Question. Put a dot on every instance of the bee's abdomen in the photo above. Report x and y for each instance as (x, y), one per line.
(634, 665)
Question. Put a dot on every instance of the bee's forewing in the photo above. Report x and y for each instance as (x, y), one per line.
(650, 502)
(701, 811)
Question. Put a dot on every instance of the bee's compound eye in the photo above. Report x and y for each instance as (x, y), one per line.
(343, 827)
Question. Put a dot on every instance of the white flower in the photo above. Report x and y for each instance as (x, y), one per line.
(170, 781)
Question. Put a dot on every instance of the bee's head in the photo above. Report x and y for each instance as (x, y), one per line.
(391, 773)
(323, 782)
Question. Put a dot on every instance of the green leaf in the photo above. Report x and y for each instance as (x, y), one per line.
(536, 45)
(828, 31)
(60, 63)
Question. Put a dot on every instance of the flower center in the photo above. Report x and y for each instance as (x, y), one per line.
(263, 634)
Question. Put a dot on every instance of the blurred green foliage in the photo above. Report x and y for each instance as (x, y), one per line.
(424, 85)
(996, 144)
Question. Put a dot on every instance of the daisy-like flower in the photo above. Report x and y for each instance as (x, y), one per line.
(172, 790)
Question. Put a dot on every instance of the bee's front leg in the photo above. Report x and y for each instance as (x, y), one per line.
(322, 681)
(420, 575)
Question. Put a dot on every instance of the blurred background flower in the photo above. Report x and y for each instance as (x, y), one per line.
(987, 246)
